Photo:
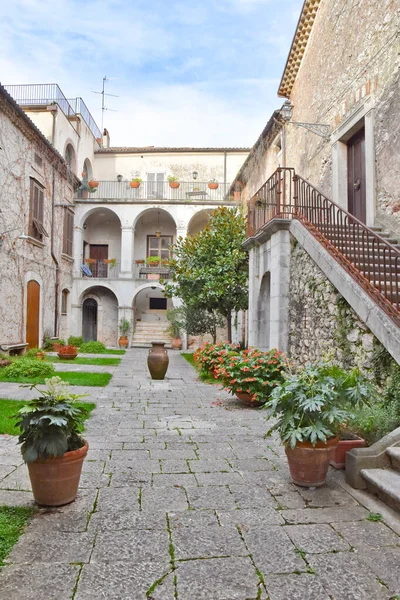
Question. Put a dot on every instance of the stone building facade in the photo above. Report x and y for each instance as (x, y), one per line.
(36, 229)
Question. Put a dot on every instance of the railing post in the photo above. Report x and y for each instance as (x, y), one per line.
(295, 193)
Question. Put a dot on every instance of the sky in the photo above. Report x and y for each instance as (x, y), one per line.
(186, 73)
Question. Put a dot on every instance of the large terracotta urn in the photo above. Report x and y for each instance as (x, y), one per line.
(158, 360)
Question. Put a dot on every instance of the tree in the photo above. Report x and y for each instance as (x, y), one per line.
(209, 271)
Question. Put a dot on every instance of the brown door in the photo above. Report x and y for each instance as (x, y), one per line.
(32, 314)
(100, 253)
(356, 176)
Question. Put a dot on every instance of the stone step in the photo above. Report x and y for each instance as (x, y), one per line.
(384, 483)
(394, 456)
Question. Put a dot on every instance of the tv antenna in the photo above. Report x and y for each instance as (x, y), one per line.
(103, 94)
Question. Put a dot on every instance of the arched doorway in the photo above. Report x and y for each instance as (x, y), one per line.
(89, 320)
(33, 314)
(199, 221)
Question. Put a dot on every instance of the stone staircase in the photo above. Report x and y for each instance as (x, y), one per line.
(150, 331)
(385, 482)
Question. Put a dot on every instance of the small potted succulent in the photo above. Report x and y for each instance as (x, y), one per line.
(67, 352)
(124, 327)
(308, 408)
(252, 374)
(173, 181)
(212, 184)
(135, 183)
(51, 443)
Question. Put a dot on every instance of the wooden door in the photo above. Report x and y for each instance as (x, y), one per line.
(89, 320)
(356, 176)
(33, 314)
(99, 253)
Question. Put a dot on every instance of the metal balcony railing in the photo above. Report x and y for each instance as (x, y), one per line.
(50, 93)
(160, 191)
(372, 262)
(99, 269)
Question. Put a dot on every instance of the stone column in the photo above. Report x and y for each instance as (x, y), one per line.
(126, 252)
(254, 284)
(78, 249)
(280, 282)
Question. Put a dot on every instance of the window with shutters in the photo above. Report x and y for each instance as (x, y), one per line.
(68, 232)
(159, 246)
(156, 185)
(36, 227)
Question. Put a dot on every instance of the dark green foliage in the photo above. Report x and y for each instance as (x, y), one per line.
(27, 368)
(12, 522)
(75, 340)
(313, 403)
(50, 424)
(93, 347)
(31, 353)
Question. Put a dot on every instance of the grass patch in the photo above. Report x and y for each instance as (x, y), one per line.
(94, 379)
(8, 408)
(204, 377)
(119, 352)
(85, 361)
(13, 520)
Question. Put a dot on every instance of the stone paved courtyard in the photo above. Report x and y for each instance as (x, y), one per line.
(182, 497)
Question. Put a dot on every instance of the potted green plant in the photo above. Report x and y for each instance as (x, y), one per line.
(110, 261)
(68, 352)
(135, 183)
(212, 184)
(174, 328)
(153, 261)
(140, 261)
(51, 443)
(173, 181)
(124, 327)
(252, 374)
(309, 407)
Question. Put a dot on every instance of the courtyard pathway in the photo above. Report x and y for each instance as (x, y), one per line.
(182, 498)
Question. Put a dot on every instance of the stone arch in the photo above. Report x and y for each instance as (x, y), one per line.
(97, 209)
(88, 169)
(154, 209)
(107, 312)
(199, 221)
(141, 302)
(70, 155)
(264, 312)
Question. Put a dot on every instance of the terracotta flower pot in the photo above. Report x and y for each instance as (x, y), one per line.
(158, 360)
(338, 457)
(134, 184)
(174, 184)
(67, 356)
(247, 399)
(123, 341)
(213, 186)
(40, 355)
(55, 480)
(309, 464)
(93, 183)
(176, 343)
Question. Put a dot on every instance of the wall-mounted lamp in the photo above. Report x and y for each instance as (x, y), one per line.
(158, 232)
(120, 178)
(85, 226)
(195, 174)
(22, 236)
(318, 128)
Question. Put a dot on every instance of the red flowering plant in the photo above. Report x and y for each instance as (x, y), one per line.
(68, 350)
(253, 372)
(209, 357)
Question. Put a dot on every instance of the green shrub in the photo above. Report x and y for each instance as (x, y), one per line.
(93, 347)
(28, 367)
(31, 353)
(75, 340)
(210, 356)
(373, 422)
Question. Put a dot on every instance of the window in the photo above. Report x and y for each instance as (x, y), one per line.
(70, 157)
(68, 232)
(155, 185)
(159, 246)
(36, 228)
(64, 302)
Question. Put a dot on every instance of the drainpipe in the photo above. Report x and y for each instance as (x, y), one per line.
(57, 284)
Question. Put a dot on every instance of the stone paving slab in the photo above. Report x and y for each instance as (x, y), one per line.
(182, 498)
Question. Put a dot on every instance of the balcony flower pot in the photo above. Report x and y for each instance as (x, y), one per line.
(140, 261)
(135, 183)
(157, 360)
(51, 444)
(338, 457)
(93, 183)
(174, 184)
(213, 185)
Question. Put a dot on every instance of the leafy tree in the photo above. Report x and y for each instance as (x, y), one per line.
(209, 271)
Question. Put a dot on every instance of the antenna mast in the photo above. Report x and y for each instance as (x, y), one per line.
(103, 103)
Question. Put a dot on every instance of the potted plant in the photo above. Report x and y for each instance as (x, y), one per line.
(67, 352)
(153, 261)
(124, 327)
(174, 328)
(51, 443)
(309, 406)
(347, 441)
(90, 261)
(212, 184)
(135, 183)
(173, 181)
(209, 357)
(110, 261)
(140, 261)
(93, 183)
(57, 344)
(252, 374)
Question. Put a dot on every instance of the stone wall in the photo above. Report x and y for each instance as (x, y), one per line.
(320, 320)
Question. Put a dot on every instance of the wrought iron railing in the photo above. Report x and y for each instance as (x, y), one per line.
(372, 261)
(159, 191)
(99, 268)
(49, 93)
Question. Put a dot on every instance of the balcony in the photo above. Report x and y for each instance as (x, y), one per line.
(103, 269)
(160, 191)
